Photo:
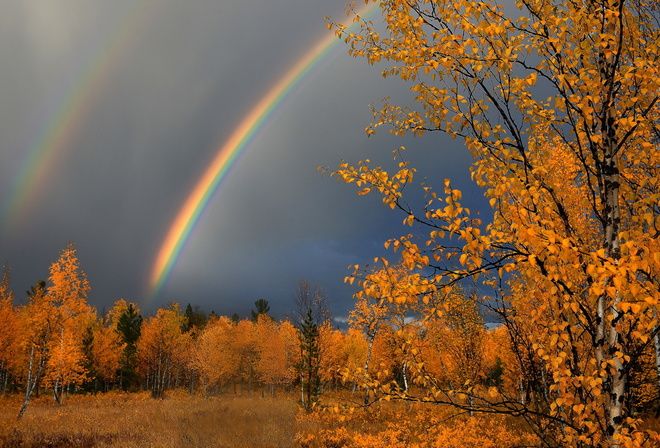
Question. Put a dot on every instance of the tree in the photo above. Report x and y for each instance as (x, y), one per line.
(261, 308)
(8, 323)
(557, 103)
(67, 295)
(273, 366)
(107, 353)
(310, 360)
(332, 354)
(244, 344)
(214, 356)
(458, 335)
(195, 318)
(367, 316)
(289, 336)
(160, 349)
(126, 319)
(311, 314)
(36, 323)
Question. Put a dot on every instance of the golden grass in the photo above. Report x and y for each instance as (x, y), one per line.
(136, 420)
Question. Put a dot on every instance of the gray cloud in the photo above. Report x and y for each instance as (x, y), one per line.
(190, 73)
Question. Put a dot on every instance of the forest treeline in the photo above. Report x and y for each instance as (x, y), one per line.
(57, 343)
(438, 351)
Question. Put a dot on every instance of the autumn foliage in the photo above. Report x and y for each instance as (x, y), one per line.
(557, 104)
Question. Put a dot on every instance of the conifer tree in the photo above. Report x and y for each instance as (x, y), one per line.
(308, 332)
(129, 327)
(312, 312)
(261, 307)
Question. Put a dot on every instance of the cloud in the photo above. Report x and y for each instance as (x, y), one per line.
(190, 73)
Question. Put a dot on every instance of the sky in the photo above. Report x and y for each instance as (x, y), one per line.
(111, 111)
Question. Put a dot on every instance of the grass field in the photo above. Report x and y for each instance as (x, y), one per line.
(182, 420)
(136, 420)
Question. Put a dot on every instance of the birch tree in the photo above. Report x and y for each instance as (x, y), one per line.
(557, 103)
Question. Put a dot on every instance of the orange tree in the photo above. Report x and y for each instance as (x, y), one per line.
(9, 325)
(557, 103)
(272, 364)
(36, 321)
(107, 350)
(214, 357)
(161, 349)
(67, 295)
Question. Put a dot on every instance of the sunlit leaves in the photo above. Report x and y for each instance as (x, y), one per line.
(557, 103)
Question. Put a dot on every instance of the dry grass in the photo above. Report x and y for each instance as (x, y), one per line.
(136, 420)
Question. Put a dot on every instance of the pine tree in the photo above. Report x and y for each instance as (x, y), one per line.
(194, 317)
(262, 307)
(308, 332)
(87, 348)
(129, 327)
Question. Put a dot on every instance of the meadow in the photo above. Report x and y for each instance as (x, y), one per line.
(136, 420)
(256, 420)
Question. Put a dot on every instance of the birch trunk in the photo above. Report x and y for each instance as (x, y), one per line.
(618, 378)
(32, 380)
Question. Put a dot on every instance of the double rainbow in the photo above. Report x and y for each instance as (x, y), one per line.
(226, 156)
(56, 137)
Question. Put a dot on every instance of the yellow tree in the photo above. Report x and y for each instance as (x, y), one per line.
(107, 350)
(36, 322)
(557, 103)
(273, 366)
(387, 299)
(356, 349)
(67, 295)
(118, 308)
(244, 343)
(289, 335)
(333, 356)
(8, 323)
(368, 315)
(159, 348)
(504, 372)
(213, 357)
(453, 346)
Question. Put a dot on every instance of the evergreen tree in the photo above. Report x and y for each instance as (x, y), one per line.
(308, 332)
(262, 307)
(194, 317)
(188, 317)
(495, 376)
(129, 327)
(312, 312)
(87, 344)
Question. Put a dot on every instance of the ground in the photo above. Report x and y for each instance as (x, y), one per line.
(257, 421)
(136, 420)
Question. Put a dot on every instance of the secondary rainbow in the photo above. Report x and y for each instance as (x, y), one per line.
(227, 154)
(57, 135)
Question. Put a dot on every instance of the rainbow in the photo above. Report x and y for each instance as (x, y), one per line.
(227, 153)
(57, 135)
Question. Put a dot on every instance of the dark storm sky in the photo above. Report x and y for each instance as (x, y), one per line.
(188, 74)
